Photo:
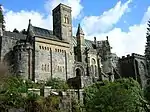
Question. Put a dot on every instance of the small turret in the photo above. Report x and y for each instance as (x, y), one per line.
(30, 32)
(79, 31)
(80, 43)
(107, 37)
(23, 65)
(80, 36)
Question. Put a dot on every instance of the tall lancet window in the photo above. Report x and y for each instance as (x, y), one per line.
(94, 67)
(66, 19)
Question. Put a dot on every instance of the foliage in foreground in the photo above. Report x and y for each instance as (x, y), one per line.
(123, 95)
(57, 83)
(14, 94)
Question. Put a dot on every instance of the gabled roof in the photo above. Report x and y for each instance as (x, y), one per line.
(42, 31)
(48, 34)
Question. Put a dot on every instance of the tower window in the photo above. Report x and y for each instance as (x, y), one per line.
(19, 56)
(66, 20)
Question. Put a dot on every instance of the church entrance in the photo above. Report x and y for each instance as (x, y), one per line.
(78, 72)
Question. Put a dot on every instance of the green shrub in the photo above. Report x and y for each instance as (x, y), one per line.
(57, 83)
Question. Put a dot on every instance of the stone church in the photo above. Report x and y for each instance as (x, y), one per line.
(42, 54)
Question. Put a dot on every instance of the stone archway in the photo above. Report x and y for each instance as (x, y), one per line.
(79, 69)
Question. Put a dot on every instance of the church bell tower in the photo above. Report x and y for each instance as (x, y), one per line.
(62, 22)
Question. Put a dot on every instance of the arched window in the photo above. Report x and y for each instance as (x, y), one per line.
(66, 19)
(94, 67)
(42, 67)
(48, 67)
(45, 67)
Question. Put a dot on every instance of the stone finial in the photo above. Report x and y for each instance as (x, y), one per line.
(107, 37)
(29, 21)
(95, 42)
(128, 55)
(94, 38)
(79, 31)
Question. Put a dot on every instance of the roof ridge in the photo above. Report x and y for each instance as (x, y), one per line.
(41, 28)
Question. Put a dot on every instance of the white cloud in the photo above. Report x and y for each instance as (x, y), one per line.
(20, 19)
(105, 21)
(74, 4)
(129, 42)
(122, 42)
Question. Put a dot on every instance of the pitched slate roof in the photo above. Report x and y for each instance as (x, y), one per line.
(44, 33)
(14, 35)
(48, 34)
(88, 43)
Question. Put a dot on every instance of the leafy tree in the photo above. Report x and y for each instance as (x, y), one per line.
(123, 95)
(2, 18)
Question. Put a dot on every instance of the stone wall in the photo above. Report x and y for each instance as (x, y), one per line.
(52, 59)
(134, 66)
(6, 46)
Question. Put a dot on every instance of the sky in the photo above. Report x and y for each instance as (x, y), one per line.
(123, 21)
